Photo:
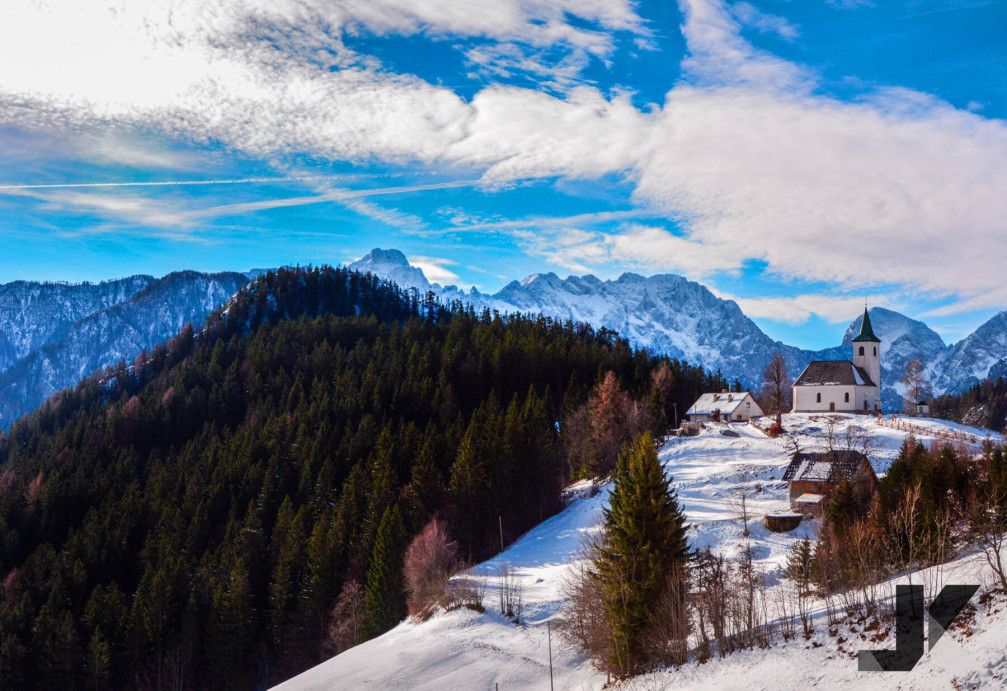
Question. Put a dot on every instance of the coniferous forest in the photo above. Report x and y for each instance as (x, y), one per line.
(190, 519)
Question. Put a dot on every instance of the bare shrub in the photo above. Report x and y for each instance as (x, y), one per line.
(430, 560)
(668, 633)
(467, 590)
(347, 617)
(510, 592)
(582, 620)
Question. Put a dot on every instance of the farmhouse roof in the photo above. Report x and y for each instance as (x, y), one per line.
(827, 466)
(833, 373)
(726, 403)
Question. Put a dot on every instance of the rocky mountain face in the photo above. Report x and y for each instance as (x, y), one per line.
(665, 313)
(980, 355)
(671, 315)
(53, 340)
(33, 314)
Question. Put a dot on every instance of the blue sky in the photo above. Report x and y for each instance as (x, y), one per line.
(798, 156)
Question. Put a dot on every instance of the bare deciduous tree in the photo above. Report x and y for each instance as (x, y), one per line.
(917, 385)
(776, 388)
(739, 501)
(429, 561)
(347, 617)
(907, 520)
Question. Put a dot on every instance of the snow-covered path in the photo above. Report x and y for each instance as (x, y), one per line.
(466, 650)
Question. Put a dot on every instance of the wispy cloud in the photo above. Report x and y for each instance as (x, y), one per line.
(179, 183)
(797, 309)
(332, 195)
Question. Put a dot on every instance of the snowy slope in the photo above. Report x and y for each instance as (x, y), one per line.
(463, 649)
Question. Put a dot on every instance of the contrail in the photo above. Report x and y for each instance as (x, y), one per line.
(174, 183)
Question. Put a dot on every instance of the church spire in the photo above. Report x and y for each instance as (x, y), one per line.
(866, 332)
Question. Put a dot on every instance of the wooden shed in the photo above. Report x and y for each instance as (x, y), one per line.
(813, 478)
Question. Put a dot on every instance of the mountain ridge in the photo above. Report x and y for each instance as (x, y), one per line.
(669, 314)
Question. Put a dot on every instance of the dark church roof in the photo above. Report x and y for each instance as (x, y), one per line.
(833, 373)
(827, 466)
(866, 332)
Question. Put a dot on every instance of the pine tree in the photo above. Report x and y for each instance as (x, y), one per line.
(800, 563)
(471, 487)
(386, 600)
(643, 547)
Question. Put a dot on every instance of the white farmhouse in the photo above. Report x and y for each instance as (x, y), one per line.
(726, 407)
(841, 385)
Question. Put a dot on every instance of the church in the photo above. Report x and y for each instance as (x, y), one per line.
(842, 385)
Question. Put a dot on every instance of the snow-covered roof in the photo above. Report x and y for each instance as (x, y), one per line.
(809, 499)
(725, 402)
(833, 373)
(828, 466)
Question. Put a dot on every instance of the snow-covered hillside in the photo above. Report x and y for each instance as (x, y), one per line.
(463, 649)
(33, 314)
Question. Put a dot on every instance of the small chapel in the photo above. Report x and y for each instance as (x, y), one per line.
(842, 385)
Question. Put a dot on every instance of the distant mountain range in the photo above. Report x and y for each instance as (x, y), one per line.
(53, 334)
(669, 314)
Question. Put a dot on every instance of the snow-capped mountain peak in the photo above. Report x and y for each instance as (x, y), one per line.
(392, 264)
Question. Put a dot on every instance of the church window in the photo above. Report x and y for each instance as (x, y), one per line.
(861, 350)
(875, 351)
(819, 400)
(847, 397)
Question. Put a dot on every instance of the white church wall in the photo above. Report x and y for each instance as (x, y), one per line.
(806, 398)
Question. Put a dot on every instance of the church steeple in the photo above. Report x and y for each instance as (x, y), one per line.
(866, 332)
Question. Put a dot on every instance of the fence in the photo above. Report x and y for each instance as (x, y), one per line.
(949, 436)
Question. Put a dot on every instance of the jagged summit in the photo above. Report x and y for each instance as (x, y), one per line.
(380, 256)
(392, 265)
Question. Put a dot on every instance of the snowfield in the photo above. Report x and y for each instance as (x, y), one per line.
(463, 649)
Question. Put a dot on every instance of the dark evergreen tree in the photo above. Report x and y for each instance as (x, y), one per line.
(386, 598)
(643, 546)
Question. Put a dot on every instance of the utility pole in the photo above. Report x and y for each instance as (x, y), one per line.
(675, 403)
(500, 523)
(548, 631)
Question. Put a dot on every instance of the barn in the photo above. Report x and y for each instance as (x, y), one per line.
(814, 477)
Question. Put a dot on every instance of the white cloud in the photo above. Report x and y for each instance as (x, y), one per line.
(749, 15)
(748, 155)
(436, 271)
(797, 309)
(640, 246)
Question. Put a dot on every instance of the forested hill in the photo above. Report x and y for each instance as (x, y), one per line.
(189, 520)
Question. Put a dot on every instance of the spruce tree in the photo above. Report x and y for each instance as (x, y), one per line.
(642, 550)
(800, 564)
(386, 599)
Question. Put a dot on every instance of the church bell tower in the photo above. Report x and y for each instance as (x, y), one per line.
(867, 351)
